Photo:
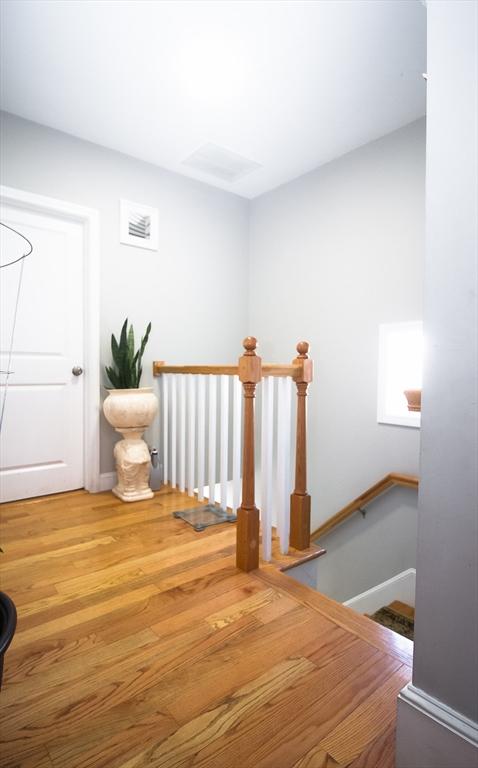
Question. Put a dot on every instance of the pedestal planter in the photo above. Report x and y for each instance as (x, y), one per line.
(8, 623)
(130, 412)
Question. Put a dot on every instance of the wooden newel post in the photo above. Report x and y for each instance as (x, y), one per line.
(300, 499)
(247, 541)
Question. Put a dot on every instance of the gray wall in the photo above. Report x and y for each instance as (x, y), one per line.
(194, 289)
(446, 650)
(364, 552)
(333, 254)
(446, 633)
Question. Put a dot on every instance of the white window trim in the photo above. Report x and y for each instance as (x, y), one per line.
(89, 218)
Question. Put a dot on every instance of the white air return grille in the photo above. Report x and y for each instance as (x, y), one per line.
(221, 163)
(139, 226)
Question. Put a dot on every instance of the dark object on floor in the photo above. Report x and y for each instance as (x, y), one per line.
(396, 621)
(202, 517)
(8, 624)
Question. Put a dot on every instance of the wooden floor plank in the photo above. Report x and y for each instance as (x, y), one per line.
(137, 705)
(56, 627)
(299, 715)
(189, 740)
(30, 758)
(139, 643)
(382, 638)
(346, 742)
(316, 758)
(380, 752)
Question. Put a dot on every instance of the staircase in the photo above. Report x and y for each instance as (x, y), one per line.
(398, 617)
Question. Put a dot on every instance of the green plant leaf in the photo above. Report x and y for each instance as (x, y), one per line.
(127, 361)
(144, 341)
(113, 377)
(130, 344)
(115, 351)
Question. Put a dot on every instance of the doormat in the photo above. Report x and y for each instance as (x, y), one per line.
(202, 517)
(396, 621)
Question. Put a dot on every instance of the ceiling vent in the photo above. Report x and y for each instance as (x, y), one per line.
(220, 163)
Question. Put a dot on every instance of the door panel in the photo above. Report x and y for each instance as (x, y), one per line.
(42, 434)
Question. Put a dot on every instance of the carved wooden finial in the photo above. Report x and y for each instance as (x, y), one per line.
(302, 349)
(250, 344)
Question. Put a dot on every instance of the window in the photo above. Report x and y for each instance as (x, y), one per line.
(400, 360)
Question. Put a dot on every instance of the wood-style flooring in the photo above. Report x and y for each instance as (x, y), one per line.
(140, 644)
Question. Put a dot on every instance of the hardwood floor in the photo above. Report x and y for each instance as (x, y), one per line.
(140, 644)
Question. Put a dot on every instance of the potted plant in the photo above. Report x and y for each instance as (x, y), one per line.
(414, 399)
(130, 409)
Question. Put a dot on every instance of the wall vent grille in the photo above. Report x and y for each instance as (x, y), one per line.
(139, 225)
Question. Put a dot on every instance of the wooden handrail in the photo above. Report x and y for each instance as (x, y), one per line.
(387, 482)
(268, 369)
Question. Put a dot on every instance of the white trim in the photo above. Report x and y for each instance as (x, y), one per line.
(107, 481)
(441, 713)
(400, 587)
(89, 218)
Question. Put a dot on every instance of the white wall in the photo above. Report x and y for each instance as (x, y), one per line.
(351, 231)
(446, 636)
(194, 289)
(333, 254)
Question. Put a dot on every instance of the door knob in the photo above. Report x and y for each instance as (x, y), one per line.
(77, 370)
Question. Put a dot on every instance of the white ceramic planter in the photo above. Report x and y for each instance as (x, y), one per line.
(130, 412)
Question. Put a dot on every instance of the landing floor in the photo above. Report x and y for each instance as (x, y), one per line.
(140, 644)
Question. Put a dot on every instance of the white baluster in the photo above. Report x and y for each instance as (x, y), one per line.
(287, 457)
(201, 406)
(212, 437)
(174, 436)
(267, 436)
(165, 404)
(224, 439)
(236, 442)
(191, 457)
(283, 471)
(182, 433)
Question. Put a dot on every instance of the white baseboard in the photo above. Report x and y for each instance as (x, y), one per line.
(441, 713)
(400, 587)
(107, 481)
(430, 734)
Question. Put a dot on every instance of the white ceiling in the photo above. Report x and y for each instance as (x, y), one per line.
(289, 85)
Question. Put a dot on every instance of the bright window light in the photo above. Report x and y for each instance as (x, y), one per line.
(400, 362)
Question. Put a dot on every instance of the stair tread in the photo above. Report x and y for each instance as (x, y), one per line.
(402, 608)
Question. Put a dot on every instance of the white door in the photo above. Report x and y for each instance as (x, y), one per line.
(41, 445)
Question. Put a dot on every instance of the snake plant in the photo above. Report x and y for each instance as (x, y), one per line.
(126, 370)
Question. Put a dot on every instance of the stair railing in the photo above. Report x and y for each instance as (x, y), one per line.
(358, 504)
(204, 408)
